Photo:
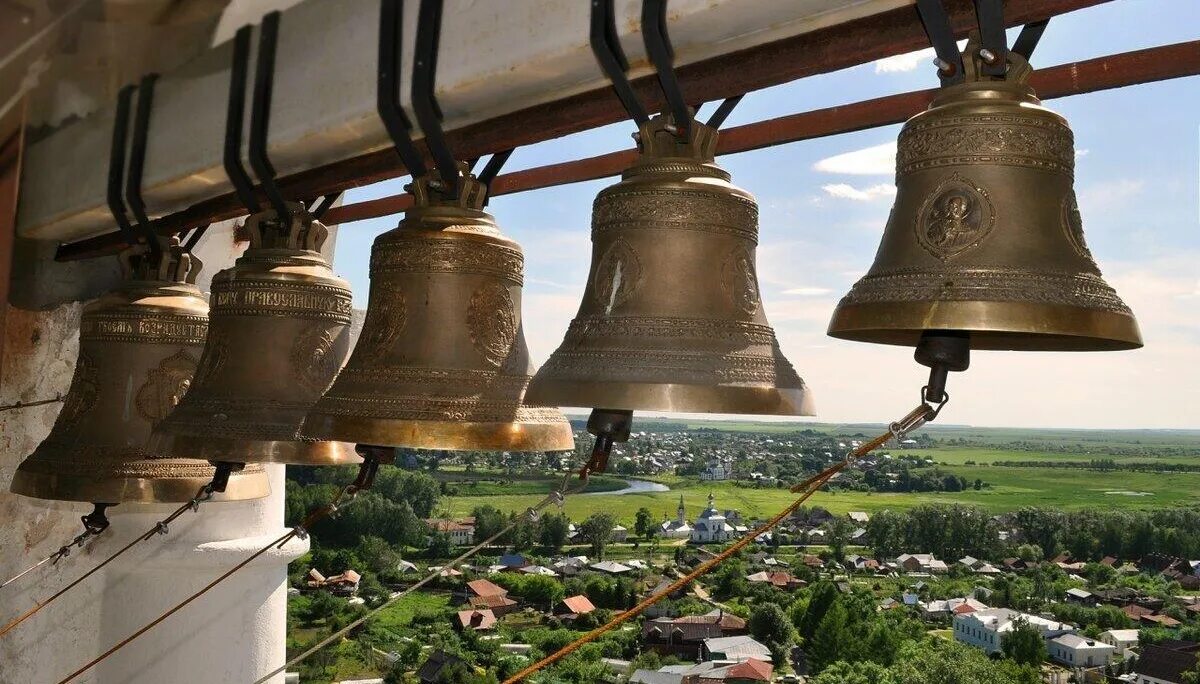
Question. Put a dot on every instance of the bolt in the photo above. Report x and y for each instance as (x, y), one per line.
(946, 68)
(987, 55)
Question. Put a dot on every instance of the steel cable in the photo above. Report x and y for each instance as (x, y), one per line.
(810, 486)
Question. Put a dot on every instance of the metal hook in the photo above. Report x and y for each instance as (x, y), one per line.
(994, 50)
(399, 128)
(425, 105)
(236, 112)
(937, 27)
(662, 56)
(137, 163)
(116, 165)
(260, 116)
(606, 46)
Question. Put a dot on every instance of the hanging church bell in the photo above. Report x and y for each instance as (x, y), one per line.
(985, 237)
(138, 349)
(441, 362)
(671, 318)
(278, 335)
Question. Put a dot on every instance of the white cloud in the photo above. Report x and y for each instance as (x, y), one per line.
(1109, 195)
(904, 63)
(868, 194)
(879, 160)
(807, 291)
(1081, 152)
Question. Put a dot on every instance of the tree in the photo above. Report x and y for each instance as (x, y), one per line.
(376, 554)
(553, 530)
(1024, 645)
(821, 598)
(865, 672)
(440, 545)
(832, 638)
(488, 522)
(840, 530)
(768, 622)
(597, 531)
(643, 522)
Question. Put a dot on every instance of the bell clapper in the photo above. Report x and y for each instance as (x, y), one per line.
(609, 426)
(943, 351)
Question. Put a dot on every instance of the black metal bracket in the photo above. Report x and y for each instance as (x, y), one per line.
(723, 111)
(323, 204)
(399, 128)
(606, 46)
(937, 26)
(190, 243)
(235, 113)
(1028, 38)
(662, 56)
(993, 42)
(260, 116)
(492, 169)
(137, 164)
(116, 165)
(424, 102)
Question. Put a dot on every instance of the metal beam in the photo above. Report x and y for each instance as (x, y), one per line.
(833, 47)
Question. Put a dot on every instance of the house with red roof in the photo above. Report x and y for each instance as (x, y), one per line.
(477, 620)
(574, 606)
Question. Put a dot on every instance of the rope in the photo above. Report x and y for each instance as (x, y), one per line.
(203, 494)
(556, 498)
(23, 404)
(297, 531)
(810, 486)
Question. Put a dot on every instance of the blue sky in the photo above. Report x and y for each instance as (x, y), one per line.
(824, 203)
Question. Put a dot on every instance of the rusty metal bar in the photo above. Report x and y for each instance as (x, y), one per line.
(829, 49)
(10, 180)
(1114, 71)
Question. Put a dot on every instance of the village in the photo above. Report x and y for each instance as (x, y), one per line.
(1108, 619)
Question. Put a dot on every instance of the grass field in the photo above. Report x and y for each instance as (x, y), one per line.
(1008, 488)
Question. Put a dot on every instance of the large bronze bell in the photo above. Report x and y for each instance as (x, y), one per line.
(277, 338)
(985, 237)
(138, 349)
(441, 362)
(671, 318)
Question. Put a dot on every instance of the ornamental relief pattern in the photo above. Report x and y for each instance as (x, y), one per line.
(680, 209)
(447, 256)
(634, 326)
(165, 386)
(314, 361)
(1085, 290)
(999, 140)
(492, 322)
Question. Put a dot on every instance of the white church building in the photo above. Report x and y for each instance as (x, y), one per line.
(712, 526)
(679, 528)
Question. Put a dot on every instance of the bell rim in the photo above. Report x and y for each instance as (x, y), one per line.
(287, 452)
(1011, 326)
(135, 490)
(674, 397)
(447, 435)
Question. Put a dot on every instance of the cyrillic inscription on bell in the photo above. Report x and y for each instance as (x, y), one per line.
(278, 336)
(985, 236)
(441, 362)
(138, 350)
(671, 318)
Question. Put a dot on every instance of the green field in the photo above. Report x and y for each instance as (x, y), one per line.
(1008, 488)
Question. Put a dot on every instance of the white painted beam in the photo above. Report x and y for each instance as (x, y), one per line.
(498, 58)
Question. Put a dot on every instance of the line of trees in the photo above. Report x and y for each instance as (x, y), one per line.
(954, 531)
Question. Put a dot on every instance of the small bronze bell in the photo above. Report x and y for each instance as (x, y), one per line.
(441, 362)
(138, 349)
(985, 237)
(671, 318)
(277, 338)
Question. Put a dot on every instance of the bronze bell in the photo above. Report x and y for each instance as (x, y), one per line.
(278, 335)
(441, 362)
(671, 318)
(985, 236)
(138, 349)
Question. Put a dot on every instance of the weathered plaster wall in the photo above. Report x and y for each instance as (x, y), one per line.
(234, 634)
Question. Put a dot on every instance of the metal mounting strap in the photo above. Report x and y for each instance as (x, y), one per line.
(662, 56)
(116, 165)
(137, 163)
(242, 185)
(1028, 39)
(606, 46)
(260, 115)
(990, 14)
(424, 102)
(387, 100)
(937, 26)
(723, 111)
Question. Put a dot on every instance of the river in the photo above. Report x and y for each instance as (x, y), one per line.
(635, 487)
